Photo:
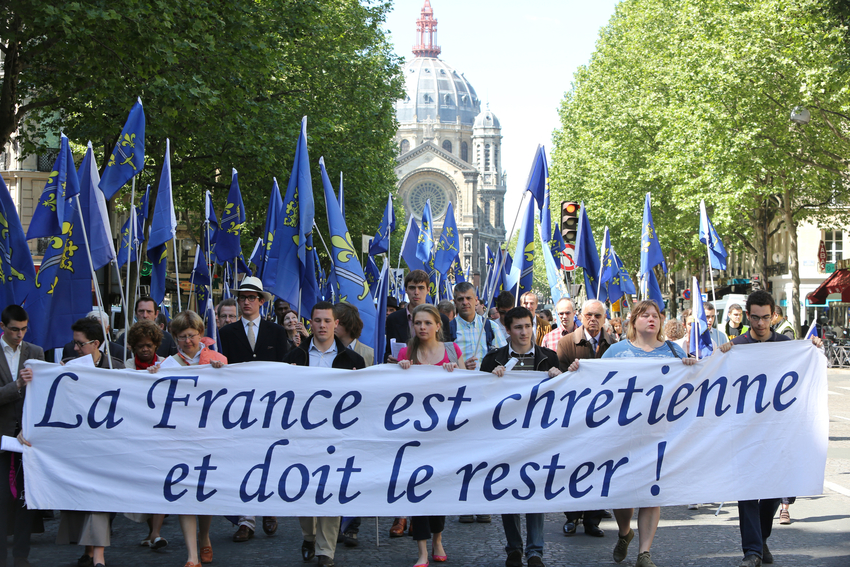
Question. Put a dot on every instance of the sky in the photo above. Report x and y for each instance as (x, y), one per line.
(519, 56)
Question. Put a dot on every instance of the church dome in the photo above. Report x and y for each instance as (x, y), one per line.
(434, 89)
(487, 120)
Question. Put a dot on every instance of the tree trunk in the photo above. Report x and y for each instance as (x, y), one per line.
(793, 265)
(9, 88)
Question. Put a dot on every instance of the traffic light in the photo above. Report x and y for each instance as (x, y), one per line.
(569, 221)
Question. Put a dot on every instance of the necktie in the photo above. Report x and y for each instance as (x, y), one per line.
(252, 338)
(593, 342)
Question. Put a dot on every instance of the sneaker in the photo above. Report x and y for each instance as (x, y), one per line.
(350, 539)
(483, 518)
(751, 560)
(693, 506)
(469, 519)
(644, 560)
(784, 517)
(621, 548)
(535, 561)
(766, 555)
(514, 559)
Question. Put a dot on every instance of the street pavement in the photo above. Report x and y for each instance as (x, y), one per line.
(819, 535)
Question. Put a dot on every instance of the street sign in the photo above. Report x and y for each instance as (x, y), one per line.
(822, 257)
(568, 263)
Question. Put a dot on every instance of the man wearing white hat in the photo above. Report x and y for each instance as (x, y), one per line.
(248, 339)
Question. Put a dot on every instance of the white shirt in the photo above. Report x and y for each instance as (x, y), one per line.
(13, 358)
(322, 359)
(256, 328)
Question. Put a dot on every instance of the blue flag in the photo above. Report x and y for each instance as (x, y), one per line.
(425, 243)
(62, 289)
(272, 214)
(409, 247)
(708, 236)
(63, 184)
(457, 271)
(381, 242)
(130, 245)
(209, 322)
(496, 282)
(17, 272)
(587, 256)
(608, 268)
(128, 155)
(652, 290)
(353, 287)
(553, 274)
(210, 228)
(228, 244)
(650, 249)
(622, 283)
(163, 229)
(94, 212)
(448, 244)
(699, 341)
(341, 197)
(521, 274)
(538, 179)
(372, 275)
(143, 204)
(200, 275)
(556, 244)
(293, 272)
(381, 293)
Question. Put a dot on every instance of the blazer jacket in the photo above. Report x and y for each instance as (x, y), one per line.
(576, 346)
(11, 402)
(272, 344)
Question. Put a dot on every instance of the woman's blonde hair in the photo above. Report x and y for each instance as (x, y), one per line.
(414, 344)
(639, 309)
(187, 320)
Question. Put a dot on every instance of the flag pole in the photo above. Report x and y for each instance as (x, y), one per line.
(129, 261)
(176, 273)
(501, 268)
(601, 269)
(711, 275)
(96, 286)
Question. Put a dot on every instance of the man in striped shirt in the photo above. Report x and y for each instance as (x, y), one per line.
(566, 311)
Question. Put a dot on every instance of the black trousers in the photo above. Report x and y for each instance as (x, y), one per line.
(424, 526)
(591, 518)
(13, 509)
(755, 518)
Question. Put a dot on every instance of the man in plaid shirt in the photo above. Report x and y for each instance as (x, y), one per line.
(467, 327)
(566, 310)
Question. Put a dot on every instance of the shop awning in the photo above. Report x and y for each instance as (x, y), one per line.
(837, 282)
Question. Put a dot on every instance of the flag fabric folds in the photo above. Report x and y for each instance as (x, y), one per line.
(650, 249)
(556, 244)
(381, 292)
(381, 242)
(163, 229)
(586, 255)
(708, 236)
(17, 272)
(372, 273)
(128, 155)
(211, 227)
(622, 283)
(200, 275)
(457, 271)
(425, 243)
(538, 179)
(130, 247)
(521, 274)
(272, 215)
(228, 245)
(63, 183)
(651, 289)
(553, 274)
(448, 245)
(607, 267)
(409, 246)
(699, 341)
(94, 212)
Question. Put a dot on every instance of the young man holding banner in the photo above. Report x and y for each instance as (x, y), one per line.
(522, 354)
(755, 517)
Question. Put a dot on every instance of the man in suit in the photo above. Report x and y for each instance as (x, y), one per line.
(588, 341)
(248, 339)
(529, 300)
(13, 322)
(324, 350)
(147, 310)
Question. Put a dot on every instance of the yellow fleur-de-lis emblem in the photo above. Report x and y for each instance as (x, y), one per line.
(269, 240)
(346, 248)
(5, 232)
(129, 140)
(529, 252)
(50, 201)
(54, 175)
(70, 247)
(291, 210)
(449, 232)
(111, 161)
(235, 228)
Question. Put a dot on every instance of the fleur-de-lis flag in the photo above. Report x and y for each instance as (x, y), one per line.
(521, 274)
(128, 155)
(381, 241)
(228, 244)
(63, 184)
(448, 244)
(650, 249)
(163, 229)
(425, 242)
(272, 214)
(351, 280)
(17, 272)
(587, 256)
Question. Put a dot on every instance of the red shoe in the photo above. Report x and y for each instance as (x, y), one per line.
(440, 558)
(421, 564)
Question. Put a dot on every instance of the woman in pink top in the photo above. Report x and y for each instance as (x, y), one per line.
(427, 347)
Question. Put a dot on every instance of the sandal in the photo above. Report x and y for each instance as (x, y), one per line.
(159, 543)
(146, 542)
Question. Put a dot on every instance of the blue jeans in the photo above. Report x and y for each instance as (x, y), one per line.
(756, 520)
(534, 534)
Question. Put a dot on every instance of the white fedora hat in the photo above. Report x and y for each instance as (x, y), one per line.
(252, 284)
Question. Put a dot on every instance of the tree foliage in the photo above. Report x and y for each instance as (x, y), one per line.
(226, 80)
(691, 100)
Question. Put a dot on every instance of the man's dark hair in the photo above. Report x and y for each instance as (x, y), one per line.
(506, 300)
(517, 313)
(322, 305)
(463, 287)
(349, 319)
(13, 313)
(761, 298)
(734, 307)
(280, 300)
(90, 328)
(708, 306)
(229, 302)
(778, 311)
(416, 276)
(145, 298)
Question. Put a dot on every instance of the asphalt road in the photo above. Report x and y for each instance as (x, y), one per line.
(819, 535)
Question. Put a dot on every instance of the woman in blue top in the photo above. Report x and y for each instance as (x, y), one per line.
(645, 338)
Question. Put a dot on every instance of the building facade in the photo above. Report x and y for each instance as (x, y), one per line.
(449, 149)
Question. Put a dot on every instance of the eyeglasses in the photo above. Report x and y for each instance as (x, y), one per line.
(17, 329)
(593, 315)
(248, 298)
(185, 338)
(78, 344)
(756, 318)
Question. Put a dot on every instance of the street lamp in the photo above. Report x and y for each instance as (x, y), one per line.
(801, 115)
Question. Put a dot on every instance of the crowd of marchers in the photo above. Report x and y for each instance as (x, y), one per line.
(453, 334)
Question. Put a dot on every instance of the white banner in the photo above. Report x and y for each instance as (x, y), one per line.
(275, 440)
